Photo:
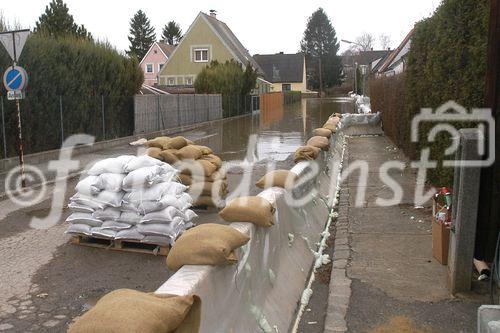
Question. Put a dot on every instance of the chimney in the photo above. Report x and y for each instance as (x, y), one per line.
(213, 13)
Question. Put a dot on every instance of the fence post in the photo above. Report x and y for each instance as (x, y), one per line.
(208, 107)
(3, 130)
(464, 214)
(178, 112)
(103, 118)
(158, 111)
(61, 118)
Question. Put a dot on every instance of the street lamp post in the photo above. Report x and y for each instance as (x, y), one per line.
(354, 64)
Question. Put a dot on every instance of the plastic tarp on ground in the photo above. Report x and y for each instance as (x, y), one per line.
(262, 292)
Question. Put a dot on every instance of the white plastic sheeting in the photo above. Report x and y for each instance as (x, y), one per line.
(262, 292)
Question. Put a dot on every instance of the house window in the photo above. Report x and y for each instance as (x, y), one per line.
(171, 81)
(286, 87)
(189, 81)
(201, 55)
(160, 67)
(149, 68)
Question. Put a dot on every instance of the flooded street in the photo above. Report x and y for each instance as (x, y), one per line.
(60, 280)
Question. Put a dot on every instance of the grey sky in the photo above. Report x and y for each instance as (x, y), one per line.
(263, 26)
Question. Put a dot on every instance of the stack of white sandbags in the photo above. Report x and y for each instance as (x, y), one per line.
(131, 198)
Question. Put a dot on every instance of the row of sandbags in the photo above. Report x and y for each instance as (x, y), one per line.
(320, 141)
(199, 167)
(131, 198)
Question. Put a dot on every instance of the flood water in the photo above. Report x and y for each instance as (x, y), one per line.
(278, 132)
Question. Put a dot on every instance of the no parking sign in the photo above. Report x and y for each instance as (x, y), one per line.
(15, 80)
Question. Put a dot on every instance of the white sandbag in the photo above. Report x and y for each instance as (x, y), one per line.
(130, 217)
(78, 208)
(189, 215)
(162, 229)
(181, 202)
(148, 176)
(84, 218)
(103, 233)
(87, 186)
(110, 165)
(166, 215)
(108, 213)
(141, 162)
(116, 226)
(79, 229)
(110, 182)
(129, 234)
(88, 201)
(100, 201)
(155, 192)
(157, 240)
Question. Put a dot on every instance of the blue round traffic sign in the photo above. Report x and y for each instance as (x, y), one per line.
(15, 78)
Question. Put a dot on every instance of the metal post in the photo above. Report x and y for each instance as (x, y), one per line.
(3, 130)
(178, 111)
(21, 152)
(103, 119)
(62, 119)
(158, 111)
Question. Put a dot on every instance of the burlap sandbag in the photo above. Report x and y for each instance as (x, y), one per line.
(204, 149)
(189, 153)
(256, 210)
(320, 142)
(189, 142)
(155, 153)
(217, 175)
(199, 168)
(169, 156)
(331, 127)
(214, 159)
(206, 244)
(126, 310)
(218, 187)
(325, 132)
(280, 178)
(175, 143)
(158, 142)
(185, 179)
(306, 153)
(209, 201)
(339, 115)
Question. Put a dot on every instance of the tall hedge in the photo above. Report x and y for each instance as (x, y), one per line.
(81, 74)
(447, 61)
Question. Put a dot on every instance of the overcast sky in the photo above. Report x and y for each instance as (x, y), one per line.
(263, 26)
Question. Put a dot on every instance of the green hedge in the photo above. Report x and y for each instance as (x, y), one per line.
(447, 61)
(77, 73)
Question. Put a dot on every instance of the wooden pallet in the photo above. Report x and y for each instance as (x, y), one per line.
(120, 245)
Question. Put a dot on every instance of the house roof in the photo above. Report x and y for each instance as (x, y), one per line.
(388, 62)
(167, 49)
(364, 57)
(231, 41)
(281, 67)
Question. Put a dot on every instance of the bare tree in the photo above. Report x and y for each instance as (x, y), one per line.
(365, 42)
(385, 41)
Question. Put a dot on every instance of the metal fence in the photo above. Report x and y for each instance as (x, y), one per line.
(48, 120)
(160, 112)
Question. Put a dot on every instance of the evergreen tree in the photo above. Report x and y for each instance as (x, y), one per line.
(57, 22)
(142, 35)
(320, 46)
(171, 33)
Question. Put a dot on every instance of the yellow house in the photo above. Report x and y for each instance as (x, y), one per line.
(207, 39)
(286, 72)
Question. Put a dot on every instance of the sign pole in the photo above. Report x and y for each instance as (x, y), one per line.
(21, 150)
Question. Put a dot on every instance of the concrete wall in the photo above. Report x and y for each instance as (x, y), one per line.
(160, 112)
(262, 291)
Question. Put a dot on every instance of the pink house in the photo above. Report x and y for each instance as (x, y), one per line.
(153, 61)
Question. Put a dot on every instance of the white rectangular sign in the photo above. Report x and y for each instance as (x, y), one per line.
(15, 94)
(14, 41)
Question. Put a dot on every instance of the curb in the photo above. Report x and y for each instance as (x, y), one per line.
(340, 284)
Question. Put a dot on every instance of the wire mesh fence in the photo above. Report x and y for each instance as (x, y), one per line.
(45, 125)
